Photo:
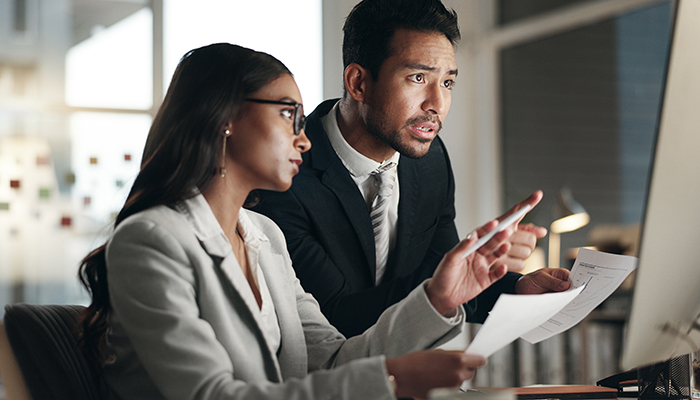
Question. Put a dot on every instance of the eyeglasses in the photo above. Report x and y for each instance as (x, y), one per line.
(299, 117)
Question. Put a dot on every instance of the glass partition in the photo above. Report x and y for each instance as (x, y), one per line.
(76, 103)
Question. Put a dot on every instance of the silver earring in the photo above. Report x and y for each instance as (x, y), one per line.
(222, 171)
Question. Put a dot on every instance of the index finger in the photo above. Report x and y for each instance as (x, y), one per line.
(513, 218)
(532, 200)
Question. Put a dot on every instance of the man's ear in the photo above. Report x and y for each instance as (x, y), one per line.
(357, 81)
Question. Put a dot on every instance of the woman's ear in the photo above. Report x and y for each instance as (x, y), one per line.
(357, 80)
(228, 129)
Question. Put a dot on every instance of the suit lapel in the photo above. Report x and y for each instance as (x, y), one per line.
(409, 188)
(336, 177)
(355, 210)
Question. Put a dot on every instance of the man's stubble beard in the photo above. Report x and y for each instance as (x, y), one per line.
(376, 127)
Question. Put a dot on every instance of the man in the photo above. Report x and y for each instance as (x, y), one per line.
(399, 69)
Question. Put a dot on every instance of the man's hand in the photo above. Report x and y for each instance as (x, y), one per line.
(543, 281)
(459, 279)
(524, 238)
(523, 242)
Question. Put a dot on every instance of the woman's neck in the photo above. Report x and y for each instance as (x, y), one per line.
(226, 199)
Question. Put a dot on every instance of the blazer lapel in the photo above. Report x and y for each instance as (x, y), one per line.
(355, 210)
(230, 273)
(226, 262)
(291, 355)
(408, 188)
(335, 176)
(215, 243)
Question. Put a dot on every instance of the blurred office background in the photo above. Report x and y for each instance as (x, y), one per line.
(551, 94)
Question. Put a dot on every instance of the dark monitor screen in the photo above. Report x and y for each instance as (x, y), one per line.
(662, 322)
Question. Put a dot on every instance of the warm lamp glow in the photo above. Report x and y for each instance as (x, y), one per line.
(570, 223)
(568, 216)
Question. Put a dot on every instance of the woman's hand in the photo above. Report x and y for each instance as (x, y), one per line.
(459, 279)
(419, 372)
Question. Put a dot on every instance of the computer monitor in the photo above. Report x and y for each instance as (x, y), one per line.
(662, 322)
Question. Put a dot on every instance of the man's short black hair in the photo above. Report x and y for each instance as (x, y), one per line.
(371, 24)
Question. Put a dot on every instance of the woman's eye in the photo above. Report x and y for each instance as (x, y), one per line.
(288, 113)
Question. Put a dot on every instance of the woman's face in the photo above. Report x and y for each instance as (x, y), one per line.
(263, 149)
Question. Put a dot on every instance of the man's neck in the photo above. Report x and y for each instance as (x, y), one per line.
(353, 129)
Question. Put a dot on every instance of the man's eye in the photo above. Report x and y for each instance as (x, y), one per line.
(419, 78)
(448, 83)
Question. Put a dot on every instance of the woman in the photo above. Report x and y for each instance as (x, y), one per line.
(196, 295)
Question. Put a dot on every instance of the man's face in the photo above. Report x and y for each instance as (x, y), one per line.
(407, 104)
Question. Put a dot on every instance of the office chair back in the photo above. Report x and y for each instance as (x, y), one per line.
(12, 381)
(45, 346)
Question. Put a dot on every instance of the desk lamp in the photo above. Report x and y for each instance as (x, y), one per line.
(568, 216)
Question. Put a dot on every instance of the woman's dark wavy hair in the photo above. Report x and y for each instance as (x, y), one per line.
(371, 24)
(182, 152)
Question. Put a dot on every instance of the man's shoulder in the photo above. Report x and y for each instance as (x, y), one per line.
(437, 148)
(321, 156)
(323, 108)
(435, 157)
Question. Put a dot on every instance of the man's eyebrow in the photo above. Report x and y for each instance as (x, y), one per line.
(427, 68)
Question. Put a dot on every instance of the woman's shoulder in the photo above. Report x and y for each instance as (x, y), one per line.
(190, 215)
(158, 215)
(155, 222)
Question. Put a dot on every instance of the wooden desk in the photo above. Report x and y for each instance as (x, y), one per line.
(561, 392)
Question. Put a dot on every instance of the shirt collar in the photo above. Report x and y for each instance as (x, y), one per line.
(251, 233)
(208, 230)
(356, 163)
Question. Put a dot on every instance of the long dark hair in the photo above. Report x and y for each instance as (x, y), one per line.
(182, 152)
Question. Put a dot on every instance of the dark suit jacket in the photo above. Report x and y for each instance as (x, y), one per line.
(330, 239)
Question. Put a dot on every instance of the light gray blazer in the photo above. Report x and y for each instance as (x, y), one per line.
(183, 325)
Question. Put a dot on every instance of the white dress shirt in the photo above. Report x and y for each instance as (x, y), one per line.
(360, 168)
(268, 316)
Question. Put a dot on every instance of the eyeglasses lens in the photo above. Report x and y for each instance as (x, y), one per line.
(299, 119)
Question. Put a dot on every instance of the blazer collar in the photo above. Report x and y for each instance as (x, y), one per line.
(208, 230)
(321, 156)
(205, 225)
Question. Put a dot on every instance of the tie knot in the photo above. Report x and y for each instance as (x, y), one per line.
(385, 176)
(385, 166)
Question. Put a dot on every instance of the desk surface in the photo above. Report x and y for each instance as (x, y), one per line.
(561, 392)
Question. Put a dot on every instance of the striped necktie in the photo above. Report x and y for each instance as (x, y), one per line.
(384, 176)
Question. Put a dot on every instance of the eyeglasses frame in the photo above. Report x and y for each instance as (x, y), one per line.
(299, 117)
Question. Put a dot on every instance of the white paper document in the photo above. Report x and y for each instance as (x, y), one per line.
(593, 278)
(513, 315)
(600, 273)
